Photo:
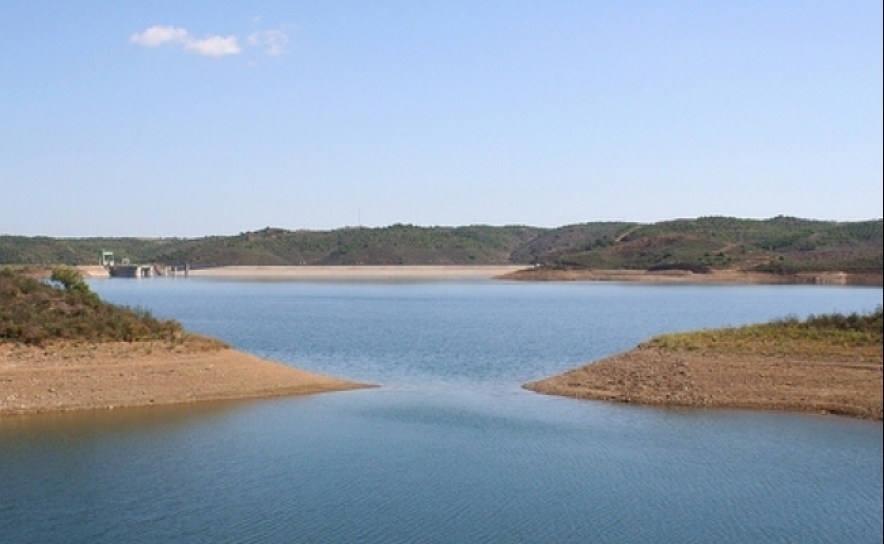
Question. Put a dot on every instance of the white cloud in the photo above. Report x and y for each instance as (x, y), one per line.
(213, 46)
(274, 41)
(158, 35)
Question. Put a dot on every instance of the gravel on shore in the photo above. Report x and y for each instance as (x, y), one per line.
(93, 376)
(655, 376)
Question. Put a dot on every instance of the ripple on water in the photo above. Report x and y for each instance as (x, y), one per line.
(449, 449)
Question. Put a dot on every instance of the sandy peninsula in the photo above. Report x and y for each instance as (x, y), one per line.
(655, 376)
(111, 375)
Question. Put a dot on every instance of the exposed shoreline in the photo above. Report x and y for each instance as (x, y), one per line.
(512, 272)
(655, 376)
(683, 276)
(342, 272)
(105, 376)
(364, 273)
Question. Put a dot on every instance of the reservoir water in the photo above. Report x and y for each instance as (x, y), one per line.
(449, 448)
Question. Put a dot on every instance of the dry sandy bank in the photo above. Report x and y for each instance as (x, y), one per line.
(683, 276)
(376, 273)
(648, 375)
(508, 272)
(68, 377)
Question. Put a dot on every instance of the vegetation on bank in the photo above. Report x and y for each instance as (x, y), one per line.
(781, 245)
(854, 337)
(65, 309)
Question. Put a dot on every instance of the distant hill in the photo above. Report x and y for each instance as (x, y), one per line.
(779, 245)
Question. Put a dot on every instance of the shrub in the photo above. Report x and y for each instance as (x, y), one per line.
(852, 336)
(33, 312)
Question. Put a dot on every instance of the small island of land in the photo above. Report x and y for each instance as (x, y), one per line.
(61, 348)
(828, 363)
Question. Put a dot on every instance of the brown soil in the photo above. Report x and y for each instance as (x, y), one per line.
(71, 377)
(648, 375)
(683, 276)
(359, 272)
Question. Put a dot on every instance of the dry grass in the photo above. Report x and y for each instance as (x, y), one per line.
(851, 337)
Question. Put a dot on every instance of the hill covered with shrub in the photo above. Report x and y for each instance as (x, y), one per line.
(65, 309)
(783, 245)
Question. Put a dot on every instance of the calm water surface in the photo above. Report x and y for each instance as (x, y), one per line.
(449, 449)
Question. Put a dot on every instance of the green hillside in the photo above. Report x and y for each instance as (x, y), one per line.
(45, 251)
(780, 245)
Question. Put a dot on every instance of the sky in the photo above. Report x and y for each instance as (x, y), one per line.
(195, 118)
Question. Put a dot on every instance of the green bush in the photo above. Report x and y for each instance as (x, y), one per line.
(34, 312)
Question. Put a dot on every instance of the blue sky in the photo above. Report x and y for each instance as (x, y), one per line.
(191, 118)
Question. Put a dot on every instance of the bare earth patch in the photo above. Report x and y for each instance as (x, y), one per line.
(650, 375)
(683, 276)
(71, 377)
(359, 273)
